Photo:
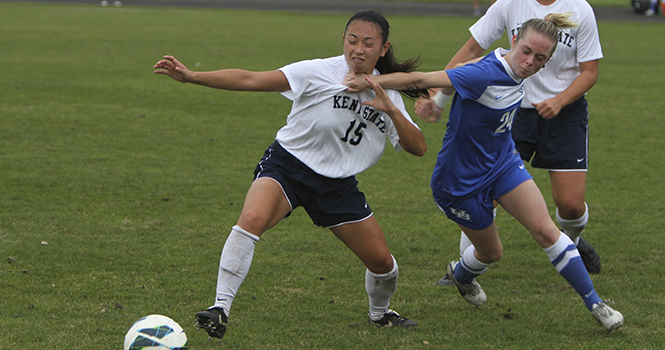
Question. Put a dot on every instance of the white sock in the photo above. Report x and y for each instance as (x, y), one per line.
(574, 228)
(464, 244)
(380, 288)
(469, 267)
(234, 265)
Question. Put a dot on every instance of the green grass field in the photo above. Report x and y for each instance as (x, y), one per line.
(118, 188)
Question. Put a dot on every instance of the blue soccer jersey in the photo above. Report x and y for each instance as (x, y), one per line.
(477, 147)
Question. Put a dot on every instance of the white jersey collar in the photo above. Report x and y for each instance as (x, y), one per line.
(500, 53)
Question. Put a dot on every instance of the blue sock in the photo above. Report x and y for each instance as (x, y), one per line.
(567, 261)
(469, 267)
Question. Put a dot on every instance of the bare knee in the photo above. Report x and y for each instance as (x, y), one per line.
(570, 205)
(546, 236)
(571, 209)
(381, 265)
(254, 221)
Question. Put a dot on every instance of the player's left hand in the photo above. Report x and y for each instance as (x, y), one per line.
(381, 101)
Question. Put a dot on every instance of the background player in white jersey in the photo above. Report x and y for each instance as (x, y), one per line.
(478, 162)
(553, 120)
(329, 137)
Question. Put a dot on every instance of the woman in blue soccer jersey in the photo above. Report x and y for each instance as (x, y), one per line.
(478, 162)
(551, 128)
(329, 137)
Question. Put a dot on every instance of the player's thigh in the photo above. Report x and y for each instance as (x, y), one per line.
(265, 206)
(568, 188)
(527, 205)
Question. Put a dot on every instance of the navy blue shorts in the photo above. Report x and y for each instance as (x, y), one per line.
(477, 212)
(329, 202)
(560, 143)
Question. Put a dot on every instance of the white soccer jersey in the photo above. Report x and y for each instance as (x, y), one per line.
(578, 44)
(328, 128)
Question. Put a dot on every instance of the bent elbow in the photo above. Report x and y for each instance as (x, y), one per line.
(415, 146)
(419, 151)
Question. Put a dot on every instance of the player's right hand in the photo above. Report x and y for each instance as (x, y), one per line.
(170, 66)
(356, 82)
(427, 110)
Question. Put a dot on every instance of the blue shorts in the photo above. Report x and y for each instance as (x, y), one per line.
(560, 143)
(329, 202)
(477, 212)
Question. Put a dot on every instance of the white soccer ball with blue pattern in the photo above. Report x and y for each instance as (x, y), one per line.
(156, 332)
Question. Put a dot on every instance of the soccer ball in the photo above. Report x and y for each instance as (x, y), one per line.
(155, 332)
(641, 6)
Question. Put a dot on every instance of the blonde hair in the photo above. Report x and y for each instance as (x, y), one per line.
(549, 27)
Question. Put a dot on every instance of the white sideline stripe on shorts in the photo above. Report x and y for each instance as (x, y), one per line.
(350, 222)
(280, 186)
(563, 170)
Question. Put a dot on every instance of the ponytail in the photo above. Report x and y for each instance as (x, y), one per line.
(549, 27)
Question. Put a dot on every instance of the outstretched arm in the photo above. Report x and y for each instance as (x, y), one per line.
(430, 109)
(227, 79)
(399, 81)
(410, 137)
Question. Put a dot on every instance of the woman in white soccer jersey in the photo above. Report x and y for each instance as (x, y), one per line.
(329, 137)
(478, 162)
(552, 122)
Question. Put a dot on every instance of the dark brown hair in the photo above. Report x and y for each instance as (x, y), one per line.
(388, 63)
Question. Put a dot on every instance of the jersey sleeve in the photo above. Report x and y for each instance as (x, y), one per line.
(588, 39)
(491, 26)
(311, 77)
(469, 81)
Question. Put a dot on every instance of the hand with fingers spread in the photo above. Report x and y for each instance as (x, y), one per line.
(170, 66)
(381, 102)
